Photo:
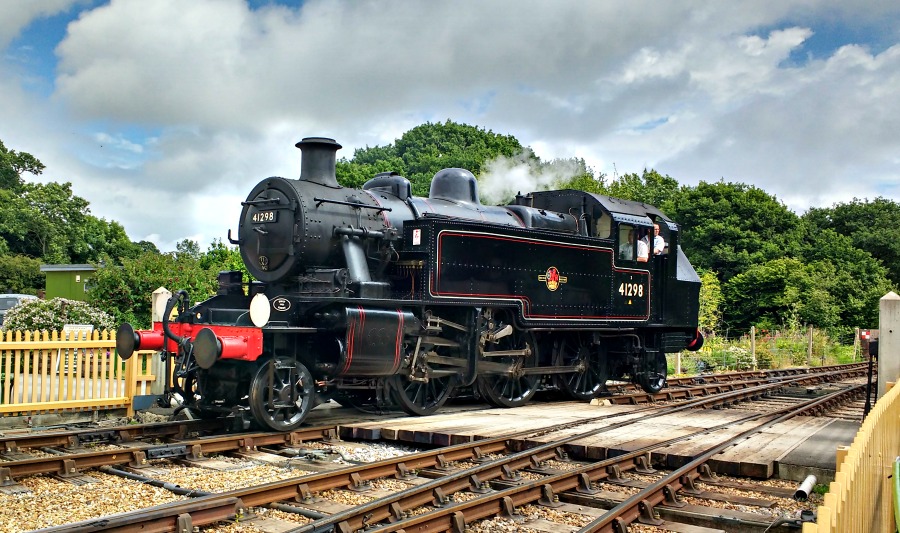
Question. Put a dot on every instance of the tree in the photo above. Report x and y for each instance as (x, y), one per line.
(859, 280)
(219, 257)
(44, 220)
(424, 150)
(20, 274)
(728, 227)
(782, 293)
(187, 249)
(710, 314)
(650, 187)
(124, 291)
(106, 240)
(871, 225)
(146, 246)
(13, 164)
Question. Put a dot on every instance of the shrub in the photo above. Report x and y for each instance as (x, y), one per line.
(52, 315)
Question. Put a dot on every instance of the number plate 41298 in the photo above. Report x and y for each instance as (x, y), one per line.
(264, 216)
(630, 290)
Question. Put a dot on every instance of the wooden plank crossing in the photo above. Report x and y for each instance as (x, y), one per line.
(756, 456)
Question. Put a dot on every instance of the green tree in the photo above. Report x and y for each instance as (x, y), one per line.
(57, 220)
(104, 240)
(783, 292)
(586, 183)
(219, 256)
(728, 227)
(187, 249)
(146, 246)
(124, 291)
(424, 150)
(650, 187)
(48, 221)
(20, 274)
(859, 280)
(710, 315)
(13, 164)
(872, 226)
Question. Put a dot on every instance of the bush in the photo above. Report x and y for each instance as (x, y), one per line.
(52, 315)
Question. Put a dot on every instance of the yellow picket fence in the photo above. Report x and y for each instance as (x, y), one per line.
(43, 372)
(860, 498)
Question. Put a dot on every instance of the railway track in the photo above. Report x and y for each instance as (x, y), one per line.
(14, 443)
(495, 478)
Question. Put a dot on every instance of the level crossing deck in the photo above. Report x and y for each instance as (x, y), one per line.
(789, 450)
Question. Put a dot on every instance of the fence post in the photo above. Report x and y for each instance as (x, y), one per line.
(753, 346)
(888, 341)
(809, 331)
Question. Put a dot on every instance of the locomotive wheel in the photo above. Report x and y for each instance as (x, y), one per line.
(365, 401)
(421, 398)
(592, 369)
(282, 403)
(513, 389)
(653, 379)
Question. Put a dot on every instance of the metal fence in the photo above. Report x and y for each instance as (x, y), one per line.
(763, 349)
(43, 372)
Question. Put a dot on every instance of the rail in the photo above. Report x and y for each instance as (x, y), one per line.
(861, 498)
(43, 372)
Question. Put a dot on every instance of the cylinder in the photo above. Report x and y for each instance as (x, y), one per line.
(805, 488)
(374, 340)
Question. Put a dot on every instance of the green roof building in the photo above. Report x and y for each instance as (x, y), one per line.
(68, 281)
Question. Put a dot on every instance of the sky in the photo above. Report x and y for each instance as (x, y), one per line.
(165, 114)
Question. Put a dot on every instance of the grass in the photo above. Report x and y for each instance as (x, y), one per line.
(773, 350)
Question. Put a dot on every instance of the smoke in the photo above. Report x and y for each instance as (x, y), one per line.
(501, 178)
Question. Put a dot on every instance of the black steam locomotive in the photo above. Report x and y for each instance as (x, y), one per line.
(373, 295)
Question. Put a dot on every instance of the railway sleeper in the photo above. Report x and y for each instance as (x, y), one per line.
(8, 485)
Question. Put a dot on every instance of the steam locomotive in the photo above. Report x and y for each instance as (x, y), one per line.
(377, 296)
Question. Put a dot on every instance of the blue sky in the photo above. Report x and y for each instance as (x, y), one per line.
(164, 114)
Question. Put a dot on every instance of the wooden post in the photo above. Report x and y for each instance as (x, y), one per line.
(888, 341)
(157, 366)
(841, 455)
(753, 345)
(678, 363)
(809, 330)
(856, 344)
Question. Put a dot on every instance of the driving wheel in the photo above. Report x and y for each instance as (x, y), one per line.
(591, 367)
(423, 397)
(515, 387)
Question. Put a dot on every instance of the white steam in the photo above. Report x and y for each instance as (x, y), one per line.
(503, 177)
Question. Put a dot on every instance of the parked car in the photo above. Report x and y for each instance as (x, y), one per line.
(8, 301)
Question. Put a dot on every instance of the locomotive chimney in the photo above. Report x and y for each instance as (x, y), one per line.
(317, 162)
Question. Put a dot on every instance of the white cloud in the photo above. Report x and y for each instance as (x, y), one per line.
(165, 114)
(16, 18)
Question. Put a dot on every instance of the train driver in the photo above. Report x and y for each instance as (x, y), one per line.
(659, 244)
(626, 249)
